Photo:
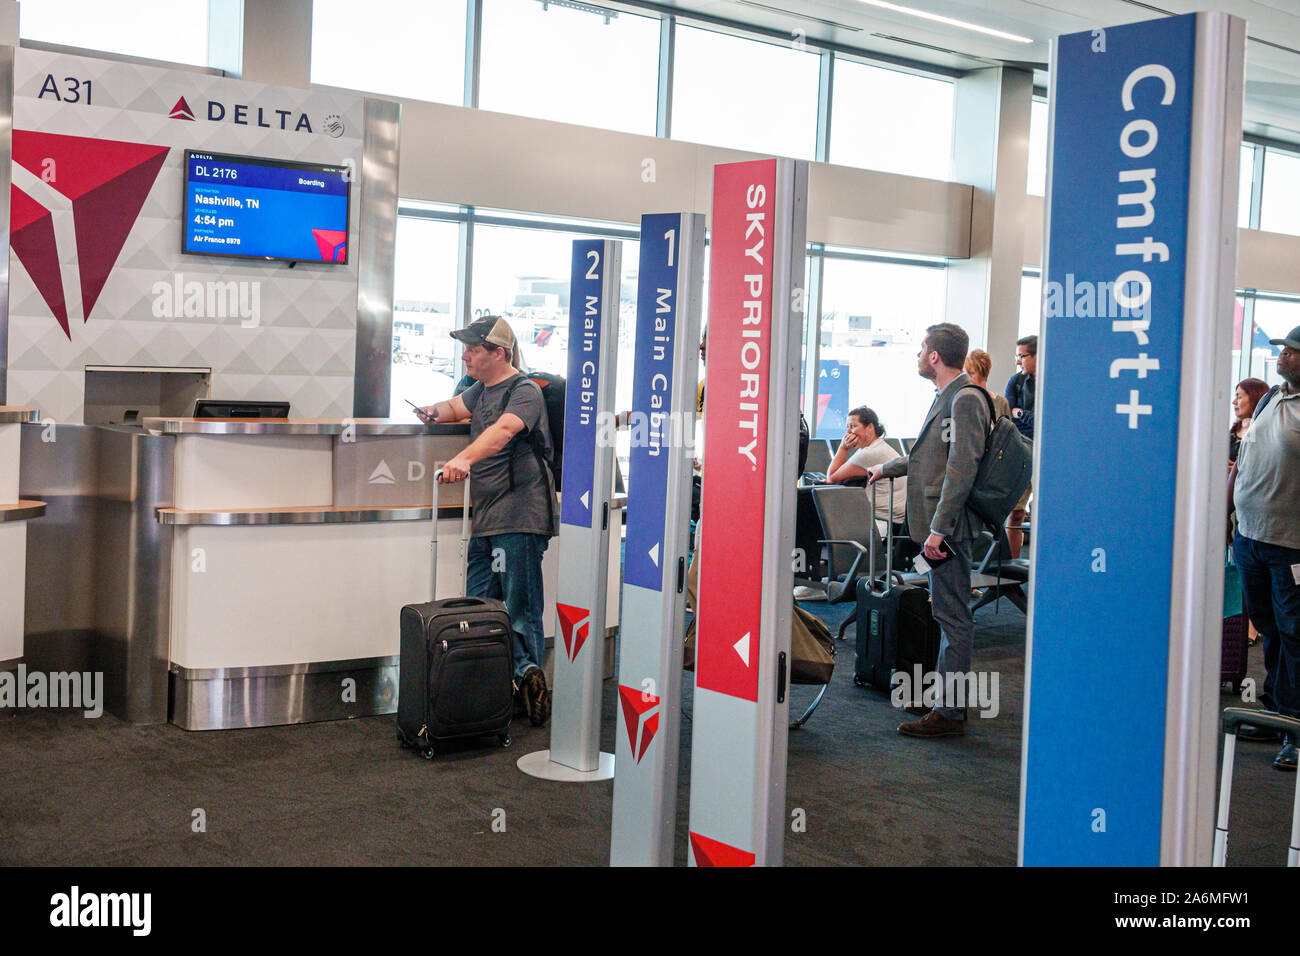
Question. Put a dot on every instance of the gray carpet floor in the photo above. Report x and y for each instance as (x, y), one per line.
(103, 792)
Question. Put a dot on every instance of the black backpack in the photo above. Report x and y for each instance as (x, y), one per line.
(1004, 470)
(553, 387)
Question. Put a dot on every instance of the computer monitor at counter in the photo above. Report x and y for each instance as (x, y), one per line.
(213, 408)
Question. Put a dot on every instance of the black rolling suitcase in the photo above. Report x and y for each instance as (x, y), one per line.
(896, 629)
(456, 674)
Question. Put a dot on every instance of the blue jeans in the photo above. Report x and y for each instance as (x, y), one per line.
(1271, 599)
(508, 567)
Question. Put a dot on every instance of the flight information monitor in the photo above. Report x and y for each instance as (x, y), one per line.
(265, 208)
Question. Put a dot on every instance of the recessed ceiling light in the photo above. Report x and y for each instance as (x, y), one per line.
(950, 21)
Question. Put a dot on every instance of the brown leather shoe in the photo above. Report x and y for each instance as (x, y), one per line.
(933, 724)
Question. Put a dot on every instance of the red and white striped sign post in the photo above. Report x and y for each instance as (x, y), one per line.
(751, 441)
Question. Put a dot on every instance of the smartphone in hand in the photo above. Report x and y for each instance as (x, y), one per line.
(423, 415)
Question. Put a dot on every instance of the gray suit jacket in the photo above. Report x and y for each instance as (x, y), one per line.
(944, 461)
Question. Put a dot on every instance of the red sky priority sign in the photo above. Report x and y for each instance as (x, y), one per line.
(735, 427)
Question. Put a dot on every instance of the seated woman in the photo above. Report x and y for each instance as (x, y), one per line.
(863, 446)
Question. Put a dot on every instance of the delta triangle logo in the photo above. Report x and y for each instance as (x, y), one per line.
(709, 852)
(574, 636)
(332, 243)
(182, 111)
(32, 240)
(106, 182)
(382, 475)
(637, 704)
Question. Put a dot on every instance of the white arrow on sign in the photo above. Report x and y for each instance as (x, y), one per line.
(741, 647)
(585, 495)
(654, 554)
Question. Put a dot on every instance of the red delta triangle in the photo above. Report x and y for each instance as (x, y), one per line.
(716, 853)
(181, 111)
(32, 240)
(822, 402)
(647, 735)
(106, 180)
(332, 244)
(635, 703)
(570, 616)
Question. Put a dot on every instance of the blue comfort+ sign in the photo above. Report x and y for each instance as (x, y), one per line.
(1110, 357)
(653, 434)
(580, 391)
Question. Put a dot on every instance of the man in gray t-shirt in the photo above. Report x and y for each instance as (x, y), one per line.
(1265, 485)
(511, 491)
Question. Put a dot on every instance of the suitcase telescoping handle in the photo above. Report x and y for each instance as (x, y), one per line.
(464, 537)
(1233, 718)
(889, 539)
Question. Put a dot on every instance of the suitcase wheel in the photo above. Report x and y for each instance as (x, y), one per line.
(504, 740)
(427, 753)
(858, 681)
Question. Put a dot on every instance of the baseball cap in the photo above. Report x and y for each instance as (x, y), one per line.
(491, 331)
(1292, 340)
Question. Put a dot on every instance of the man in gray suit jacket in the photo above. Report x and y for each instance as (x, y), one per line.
(940, 473)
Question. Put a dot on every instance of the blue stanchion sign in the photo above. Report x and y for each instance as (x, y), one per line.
(832, 399)
(1111, 348)
(652, 418)
(580, 392)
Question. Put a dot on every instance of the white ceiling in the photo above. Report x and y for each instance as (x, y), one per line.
(1272, 50)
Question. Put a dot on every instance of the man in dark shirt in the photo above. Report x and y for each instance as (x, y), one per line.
(1020, 387)
(1020, 396)
(511, 491)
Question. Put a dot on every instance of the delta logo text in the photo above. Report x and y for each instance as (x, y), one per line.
(244, 114)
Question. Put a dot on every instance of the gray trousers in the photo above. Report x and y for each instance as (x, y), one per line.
(950, 602)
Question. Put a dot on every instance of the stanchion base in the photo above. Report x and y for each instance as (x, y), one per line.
(540, 764)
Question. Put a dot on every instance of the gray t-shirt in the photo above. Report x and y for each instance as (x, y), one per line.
(497, 508)
(1267, 492)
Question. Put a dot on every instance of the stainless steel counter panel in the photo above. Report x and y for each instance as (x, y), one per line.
(303, 516)
(12, 415)
(296, 426)
(376, 243)
(234, 698)
(99, 564)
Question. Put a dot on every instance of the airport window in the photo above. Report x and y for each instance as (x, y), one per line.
(171, 30)
(891, 121)
(407, 48)
(1245, 180)
(873, 317)
(744, 94)
(424, 312)
(1037, 180)
(1031, 304)
(570, 63)
(1274, 318)
(1280, 207)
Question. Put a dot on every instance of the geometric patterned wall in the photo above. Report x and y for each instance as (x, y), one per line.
(89, 178)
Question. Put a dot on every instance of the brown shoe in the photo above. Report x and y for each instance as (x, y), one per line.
(933, 724)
